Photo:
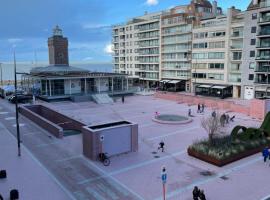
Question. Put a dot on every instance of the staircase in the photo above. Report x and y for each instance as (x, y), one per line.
(102, 98)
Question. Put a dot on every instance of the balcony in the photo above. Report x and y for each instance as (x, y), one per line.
(263, 57)
(264, 68)
(264, 19)
(257, 81)
(263, 45)
(264, 33)
(237, 34)
(264, 4)
(235, 47)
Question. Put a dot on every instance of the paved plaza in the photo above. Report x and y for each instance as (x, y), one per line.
(137, 175)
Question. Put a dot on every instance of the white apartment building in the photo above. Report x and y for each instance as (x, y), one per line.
(155, 49)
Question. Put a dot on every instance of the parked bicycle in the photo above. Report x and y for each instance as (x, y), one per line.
(103, 157)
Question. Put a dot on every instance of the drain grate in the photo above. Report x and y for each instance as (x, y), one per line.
(207, 173)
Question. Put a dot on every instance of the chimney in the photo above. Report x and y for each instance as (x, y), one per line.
(255, 2)
(214, 8)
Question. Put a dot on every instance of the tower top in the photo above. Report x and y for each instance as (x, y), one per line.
(57, 31)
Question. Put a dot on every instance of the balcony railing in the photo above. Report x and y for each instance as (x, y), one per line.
(264, 19)
(262, 81)
(264, 32)
(237, 34)
(263, 57)
(265, 45)
(263, 69)
(264, 4)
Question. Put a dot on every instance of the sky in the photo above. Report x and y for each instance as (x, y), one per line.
(27, 24)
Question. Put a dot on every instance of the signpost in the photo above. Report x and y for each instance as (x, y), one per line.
(164, 180)
(101, 139)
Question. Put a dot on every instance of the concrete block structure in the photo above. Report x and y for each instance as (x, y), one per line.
(111, 138)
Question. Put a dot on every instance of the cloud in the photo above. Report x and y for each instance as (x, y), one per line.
(87, 58)
(151, 2)
(108, 49)
(14, 40)
(95, 26)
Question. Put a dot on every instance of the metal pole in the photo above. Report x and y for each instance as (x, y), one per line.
(164, 191)
(1, 74)
(16, 108)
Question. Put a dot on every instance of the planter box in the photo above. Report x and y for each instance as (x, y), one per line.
(226, 161)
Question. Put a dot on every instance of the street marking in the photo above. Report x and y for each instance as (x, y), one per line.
(114, 179)
(203, 181)
(173, 133)
(9, 118)
(20, 125)
(69, 158)
(142, 164)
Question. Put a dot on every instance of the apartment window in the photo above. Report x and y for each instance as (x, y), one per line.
(200, 45)
(252, 65)
(253, 29)
(216, 55)
(130, 35)
(199, 55)
(216, 76)
(252, 54)
(237, 55)
(216, 65)
(199, 75)
(213, 45)
(252, 41)
(251, 77)
(254, 15)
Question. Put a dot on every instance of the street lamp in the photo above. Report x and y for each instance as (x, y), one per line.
(16, 107)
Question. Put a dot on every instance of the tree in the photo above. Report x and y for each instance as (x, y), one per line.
(211, 125)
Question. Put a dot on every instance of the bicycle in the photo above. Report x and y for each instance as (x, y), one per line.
(102, 157)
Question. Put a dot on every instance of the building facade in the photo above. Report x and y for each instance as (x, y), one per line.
(196, 48)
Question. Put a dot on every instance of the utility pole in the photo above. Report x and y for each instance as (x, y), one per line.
(16, 108)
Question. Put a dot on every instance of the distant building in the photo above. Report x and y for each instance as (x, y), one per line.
(61, 81)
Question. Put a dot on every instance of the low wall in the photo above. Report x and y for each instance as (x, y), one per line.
(255, 108)
(52, 121)
(52, 128)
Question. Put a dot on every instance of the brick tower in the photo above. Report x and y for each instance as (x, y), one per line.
(58, 48)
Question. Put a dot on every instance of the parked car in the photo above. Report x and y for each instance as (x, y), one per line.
(22, 98)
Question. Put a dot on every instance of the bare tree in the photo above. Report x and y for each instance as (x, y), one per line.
(211, 125)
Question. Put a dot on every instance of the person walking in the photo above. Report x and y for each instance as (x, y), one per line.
(202, 195)
(161, 146)
(227, 118)
(203, 108)
(189, 112)
(265, 153)
(222, 119)
(214, 114)
(123, 99)
(199, 108)
(196, 193)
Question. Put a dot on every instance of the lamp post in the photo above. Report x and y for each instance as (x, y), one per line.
(16, 108)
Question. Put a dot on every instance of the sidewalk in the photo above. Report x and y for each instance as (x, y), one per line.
(25, 173)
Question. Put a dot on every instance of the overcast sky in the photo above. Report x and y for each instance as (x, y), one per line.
(26, 24)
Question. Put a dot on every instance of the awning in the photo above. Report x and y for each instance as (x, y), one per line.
(174, 81)
(164, 81)
(219, 87)
(205, 86)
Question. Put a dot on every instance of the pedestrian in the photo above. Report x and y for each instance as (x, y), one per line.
(199, 108)
(196, 193)
(156, 114)
(227, 118)
(161, 146)
(189, 112)
(265, 153)
(202, 195)
(203, 108)
(214, 114)
(222, 119)
(123, 99)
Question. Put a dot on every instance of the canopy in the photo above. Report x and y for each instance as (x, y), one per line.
(205, 86)
(174, 81)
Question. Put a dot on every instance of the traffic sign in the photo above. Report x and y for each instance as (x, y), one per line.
(101, 138)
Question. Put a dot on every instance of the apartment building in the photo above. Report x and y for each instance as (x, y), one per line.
(136, 47)
(258, 13)
(155, 49)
